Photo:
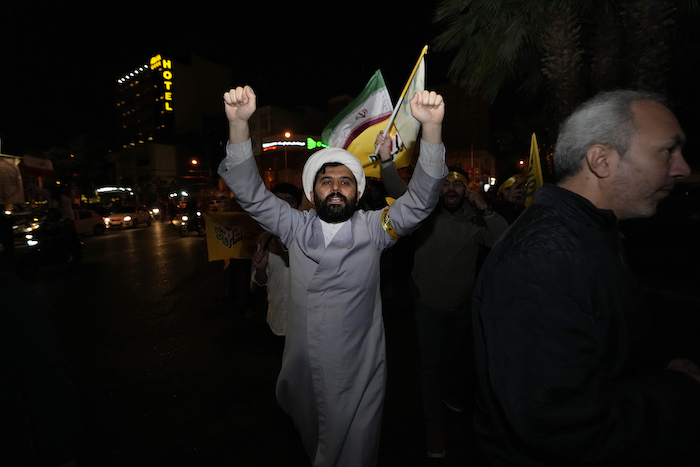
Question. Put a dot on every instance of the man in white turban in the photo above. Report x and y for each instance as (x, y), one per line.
(333, 376)
(334, 206)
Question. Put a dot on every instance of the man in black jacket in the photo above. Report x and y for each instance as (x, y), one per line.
(560, 331)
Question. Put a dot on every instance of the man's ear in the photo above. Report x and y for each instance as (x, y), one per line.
(601, 160)
(359, 195)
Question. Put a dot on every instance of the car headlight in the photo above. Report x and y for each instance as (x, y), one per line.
(184, 218)
(156, 210)
(32, 242)
(107, 220)
(127, 218)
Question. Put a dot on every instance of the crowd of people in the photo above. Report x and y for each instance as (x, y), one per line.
(540, 300)
(553, 325)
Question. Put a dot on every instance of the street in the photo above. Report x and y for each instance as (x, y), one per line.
(171, 373)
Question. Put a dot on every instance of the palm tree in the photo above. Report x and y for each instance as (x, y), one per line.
(562, 61)
(567, 48)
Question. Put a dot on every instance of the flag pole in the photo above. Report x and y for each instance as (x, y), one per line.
(401, 97)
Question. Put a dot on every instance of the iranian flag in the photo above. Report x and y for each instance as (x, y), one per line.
(402, 129)
(372, 106)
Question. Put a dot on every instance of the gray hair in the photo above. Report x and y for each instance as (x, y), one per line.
(605, 119)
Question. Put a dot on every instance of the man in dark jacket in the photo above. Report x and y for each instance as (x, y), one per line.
(565, 375)
(447, 247)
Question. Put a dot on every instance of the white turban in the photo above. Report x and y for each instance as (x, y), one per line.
(326, 155)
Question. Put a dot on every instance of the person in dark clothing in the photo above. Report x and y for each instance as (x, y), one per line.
(511, 198)
(6, 232)
(59, 235)
(447, 247)
(39, 406)
(172, 210)
(375, 196)
(566, 372)
(162, 210)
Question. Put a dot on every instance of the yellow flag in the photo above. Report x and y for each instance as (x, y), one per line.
(231, 235)
(363, 146)
(534, 173)
(404, 128)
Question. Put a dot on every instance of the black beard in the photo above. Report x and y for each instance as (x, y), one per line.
(451, 209)
(333, 213)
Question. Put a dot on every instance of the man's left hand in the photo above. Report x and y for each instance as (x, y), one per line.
(428, 107)
(476, 200)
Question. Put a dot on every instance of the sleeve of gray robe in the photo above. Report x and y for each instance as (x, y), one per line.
(240, 173)
(395, 185)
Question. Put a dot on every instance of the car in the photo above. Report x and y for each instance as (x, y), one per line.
(26, 222)
(128, 216)
(87, 221)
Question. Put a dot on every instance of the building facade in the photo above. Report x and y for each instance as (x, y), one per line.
(466, 133)
(162, 107)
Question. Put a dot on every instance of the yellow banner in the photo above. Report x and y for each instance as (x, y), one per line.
(363, 146)
(231, 235)
(404, 128)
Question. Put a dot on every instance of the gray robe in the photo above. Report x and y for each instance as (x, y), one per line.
(333, 374)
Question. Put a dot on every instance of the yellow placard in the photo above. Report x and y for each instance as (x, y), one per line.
(231, 235)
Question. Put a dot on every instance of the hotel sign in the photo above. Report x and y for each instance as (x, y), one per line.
(164, 67)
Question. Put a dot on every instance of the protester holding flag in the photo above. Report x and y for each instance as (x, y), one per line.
(333, 376)
(444, 270)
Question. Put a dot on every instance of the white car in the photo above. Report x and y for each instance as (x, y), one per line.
(87, 221)
(128, 216)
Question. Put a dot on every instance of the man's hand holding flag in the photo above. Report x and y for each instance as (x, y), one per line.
(400, 125)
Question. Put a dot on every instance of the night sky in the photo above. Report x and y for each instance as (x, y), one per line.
(58, 65)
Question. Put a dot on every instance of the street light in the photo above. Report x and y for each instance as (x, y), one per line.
(286, 170)
(199, 175)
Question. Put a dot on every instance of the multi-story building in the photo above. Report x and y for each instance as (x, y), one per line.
(161, 108)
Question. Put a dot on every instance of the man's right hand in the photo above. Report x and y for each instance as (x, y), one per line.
(260, 258)
(239, 105)
(383, 146)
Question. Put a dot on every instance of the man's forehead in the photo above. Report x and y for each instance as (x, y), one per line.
(336, 172)
(456, 177)
(654, 117)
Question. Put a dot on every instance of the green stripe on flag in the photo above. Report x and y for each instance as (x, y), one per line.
(372, 102)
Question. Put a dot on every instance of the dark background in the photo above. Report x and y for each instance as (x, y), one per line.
(59, 61)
